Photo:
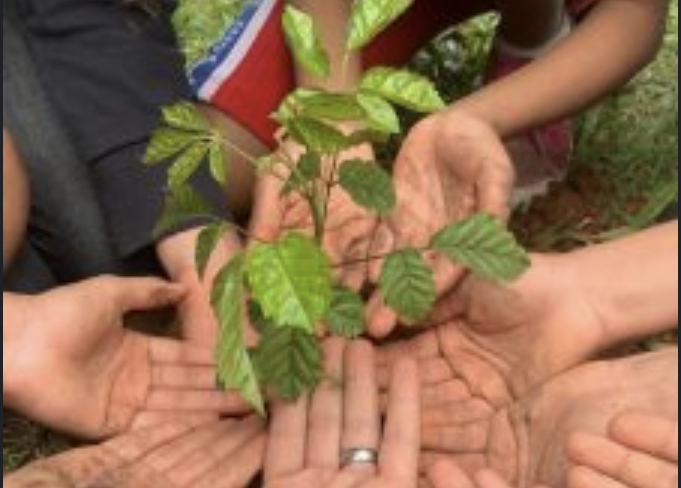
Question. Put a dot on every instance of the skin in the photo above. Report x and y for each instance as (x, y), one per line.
(307, 438)
(497, 344)
(639, 451)
(104, 378)
(15, 200)
(174, 455)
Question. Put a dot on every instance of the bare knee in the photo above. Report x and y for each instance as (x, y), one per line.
(15, 200)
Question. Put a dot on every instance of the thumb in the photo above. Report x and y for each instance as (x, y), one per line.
(142, 294)
(267, 215)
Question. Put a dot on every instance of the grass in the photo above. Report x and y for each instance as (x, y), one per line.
(628, 144)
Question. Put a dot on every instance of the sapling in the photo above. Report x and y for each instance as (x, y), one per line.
(287, 286)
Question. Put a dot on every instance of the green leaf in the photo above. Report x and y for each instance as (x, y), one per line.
(257, 317)
(303, 40)
(317, 137)
(483, 244)
(207, 242)
(407, 285)
(369, 185)
(371, 17)
(308, 169)
(403, 88)
(380, 115)
(201, 25)
(289, 361)
(166, 143)
(291, 280)
(235, 369)
(182, 206)
(346, 315)
(217, 158)
(328, 106)
(187, 164)
(185, 116)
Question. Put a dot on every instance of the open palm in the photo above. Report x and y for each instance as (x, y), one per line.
(80, 370)
(307, 439)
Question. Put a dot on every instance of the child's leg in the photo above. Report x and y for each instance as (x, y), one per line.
(15, 201)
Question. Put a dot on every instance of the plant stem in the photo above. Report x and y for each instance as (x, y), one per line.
(329, 184)
(249, 158)
(376, 257)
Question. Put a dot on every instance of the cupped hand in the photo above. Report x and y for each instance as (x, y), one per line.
(307, 439)
(181, 454)
(640, 451)
(74, 366)
(349, 229)
(451, 166)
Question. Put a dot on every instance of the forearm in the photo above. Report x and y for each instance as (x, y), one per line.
(14, 319)
(632, 283)
(15, 200)
(613, 43)
(331, 18)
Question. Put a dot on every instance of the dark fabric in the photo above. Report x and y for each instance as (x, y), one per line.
(109, 69)
(67, 240)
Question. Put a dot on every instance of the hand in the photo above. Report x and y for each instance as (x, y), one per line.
(525, 440)
(349, 229)
(177, 252)
(175, 455)
(641, 451)
(448, 475)
(451, 166)
(507, 339)
(306, 444)
(73, 365)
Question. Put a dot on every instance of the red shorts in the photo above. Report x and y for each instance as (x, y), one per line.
(252, 71)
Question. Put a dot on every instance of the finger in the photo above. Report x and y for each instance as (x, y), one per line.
(495, 187)
(326, 412)
(147, 420)
(446, 274)
(654, 435)
(445, 474)
(402, 440)
(171, 351)
(471, 438)
(425, 346)
(468, 463)
(141, 294)
(632, 468)
(267, 215)
(183, 377)
(581, 477)
(449, 392)
(489, 479)
(381, 319)
(139, 443)
(288, 440)
(383, 243)
(362, 417)
(229, 439)
(465, 412)
(239, 469)
(432, 372)
(198, 401)
(170, 456)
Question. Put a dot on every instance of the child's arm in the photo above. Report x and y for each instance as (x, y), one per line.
(613, 43)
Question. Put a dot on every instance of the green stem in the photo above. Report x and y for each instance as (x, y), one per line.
(375, 257)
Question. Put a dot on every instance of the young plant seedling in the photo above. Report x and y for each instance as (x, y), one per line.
(287, 287)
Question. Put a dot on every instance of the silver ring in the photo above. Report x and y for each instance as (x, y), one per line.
(359, 456)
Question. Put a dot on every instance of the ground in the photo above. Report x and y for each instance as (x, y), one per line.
(624, 176)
